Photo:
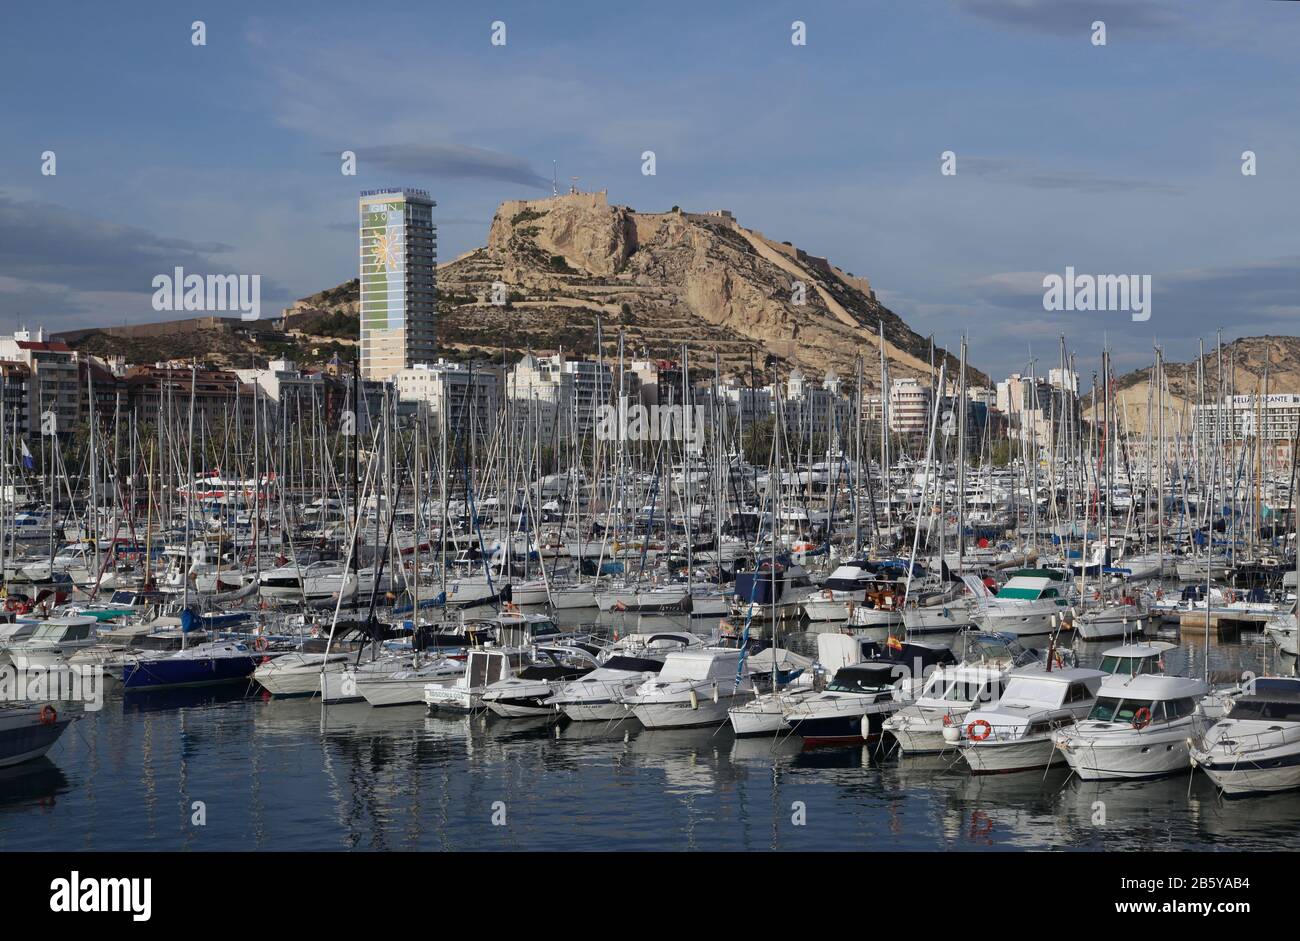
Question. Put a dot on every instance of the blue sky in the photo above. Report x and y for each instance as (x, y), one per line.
(1117, 159)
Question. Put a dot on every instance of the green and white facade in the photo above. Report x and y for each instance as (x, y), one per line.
(399, 260)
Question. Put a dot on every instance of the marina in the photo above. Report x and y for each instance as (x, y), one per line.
(863, 432)
(726, 619)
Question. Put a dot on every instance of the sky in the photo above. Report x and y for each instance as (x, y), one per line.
(1117, 159)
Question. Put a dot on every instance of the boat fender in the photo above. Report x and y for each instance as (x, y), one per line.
(715, 693)
(48, 715)
(695, 700)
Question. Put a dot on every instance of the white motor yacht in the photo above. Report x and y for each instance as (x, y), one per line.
(695, 687)
(1255, 748)
(1015, 734)
(1139, 727)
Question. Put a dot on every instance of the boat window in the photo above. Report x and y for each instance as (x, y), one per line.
(964, 692)
(1264, 709)
(937, 687)
(1179, 708)
(1104, 709)
(1129, 709)
(1079, 692)
(1130, 666)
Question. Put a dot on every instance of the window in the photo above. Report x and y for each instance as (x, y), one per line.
(1079, 692)
(1104, 709)
(1179, 708)
(1262, 709)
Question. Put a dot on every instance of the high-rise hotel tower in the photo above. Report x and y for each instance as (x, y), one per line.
(399, 260)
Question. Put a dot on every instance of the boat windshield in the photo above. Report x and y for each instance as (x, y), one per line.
(1110, 709)
(861, 679)
(957, 690)
(1130, 666)
(1265, 709)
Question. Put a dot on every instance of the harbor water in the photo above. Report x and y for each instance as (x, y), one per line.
(227, 768)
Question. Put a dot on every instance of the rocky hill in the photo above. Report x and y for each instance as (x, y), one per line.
(563, 265)
(1250, 364)
(667, 278)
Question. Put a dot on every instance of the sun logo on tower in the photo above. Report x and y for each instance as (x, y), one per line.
(387, 250)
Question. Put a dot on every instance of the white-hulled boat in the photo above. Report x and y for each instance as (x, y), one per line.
(1015, 734)
(465, 693)
(598, 696)
(529, 691)
(854, 705)
(405, 686)
(947, 618)
(52, 642)
(845, 586)
(1031, 604)
(765, 713)
(1255, 748)
(572, 597)
(1282, 629)
(299, 674)
(1112, 620)
(1139, 727)
(695, 687)
(954, 689)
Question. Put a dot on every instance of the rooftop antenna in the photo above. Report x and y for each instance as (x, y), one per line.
(555, 186)
(573, 186)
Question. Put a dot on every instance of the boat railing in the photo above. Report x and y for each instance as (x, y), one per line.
(1240, 745)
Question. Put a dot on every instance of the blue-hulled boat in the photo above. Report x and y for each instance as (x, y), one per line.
(200, 665)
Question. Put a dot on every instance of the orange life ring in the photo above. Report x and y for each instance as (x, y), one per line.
(985, 730)
(1142, 718)
(261, 644)
(48, 715)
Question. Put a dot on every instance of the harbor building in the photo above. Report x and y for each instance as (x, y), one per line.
(909, 407)
(463, 399)
(1241, 420)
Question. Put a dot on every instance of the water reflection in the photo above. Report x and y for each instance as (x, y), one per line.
(288, 774)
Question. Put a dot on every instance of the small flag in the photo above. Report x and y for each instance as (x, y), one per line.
(893, 643)
(28, 461)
